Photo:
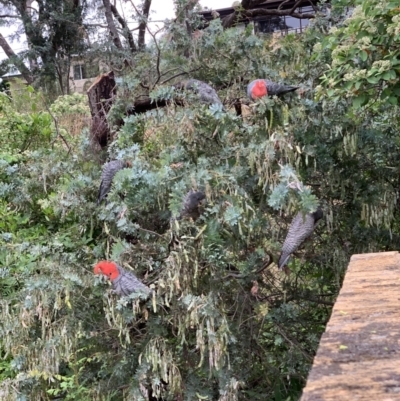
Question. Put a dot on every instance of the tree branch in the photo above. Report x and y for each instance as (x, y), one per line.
(250, 11)
(153, 35)
(16, 60)
(57, 129)
(178, 75)
(261, 11)
(144, 15)
(125, 28)
(111, 25)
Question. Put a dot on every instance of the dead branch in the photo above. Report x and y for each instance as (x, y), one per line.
(146, 104)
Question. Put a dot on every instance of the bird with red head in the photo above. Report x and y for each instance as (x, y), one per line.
(259, 89)
(264, 87)
(123, 282)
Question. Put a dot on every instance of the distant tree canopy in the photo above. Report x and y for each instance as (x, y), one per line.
(222, 323)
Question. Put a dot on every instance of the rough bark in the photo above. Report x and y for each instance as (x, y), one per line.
(16, 60)
(124, 26)
(111, 25)
(143, 24)
(101, 97)
(145, 104)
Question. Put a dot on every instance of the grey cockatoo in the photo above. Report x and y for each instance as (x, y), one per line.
(190, 209)
(109, 170)
(123, 282)
(300, 229)
(191, 203)
(264, 87)
(206, 93)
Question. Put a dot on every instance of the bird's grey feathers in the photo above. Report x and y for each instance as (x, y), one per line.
(300, 229)
(127, 283)
(109, 171)
(278, 89)
(207, 94)
(273, 88)
(191, 203)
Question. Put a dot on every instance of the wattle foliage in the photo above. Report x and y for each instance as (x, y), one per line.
(208, 332)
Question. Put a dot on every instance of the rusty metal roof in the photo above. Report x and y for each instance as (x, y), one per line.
(359, 354)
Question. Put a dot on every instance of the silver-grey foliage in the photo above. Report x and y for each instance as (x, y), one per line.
(300, 229)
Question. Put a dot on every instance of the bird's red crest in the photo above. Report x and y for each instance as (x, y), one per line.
(107, 268)
(259, 89)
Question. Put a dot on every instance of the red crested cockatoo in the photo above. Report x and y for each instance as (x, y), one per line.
(123, 282)
(264, 87)
(300, 229)
(109, 170)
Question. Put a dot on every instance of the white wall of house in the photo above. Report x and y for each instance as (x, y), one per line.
(82, 75)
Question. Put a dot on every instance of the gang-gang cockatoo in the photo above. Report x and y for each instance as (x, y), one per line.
(123, 282)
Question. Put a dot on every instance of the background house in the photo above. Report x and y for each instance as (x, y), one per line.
(269, 23)
(82, 74)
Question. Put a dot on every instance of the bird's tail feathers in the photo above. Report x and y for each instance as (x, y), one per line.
(283, 260)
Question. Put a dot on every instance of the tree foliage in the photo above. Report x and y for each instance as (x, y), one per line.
(222, 323)
(365, 54)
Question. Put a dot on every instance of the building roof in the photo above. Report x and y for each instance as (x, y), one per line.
(12, 72)
(208, 15)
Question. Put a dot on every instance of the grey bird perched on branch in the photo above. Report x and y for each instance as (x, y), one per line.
(264, 87)
(191, 204)
(109, 170)
(207, 94)
(124, 282)
(190, 209)
(300, 229)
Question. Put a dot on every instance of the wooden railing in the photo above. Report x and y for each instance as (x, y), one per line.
(359, 354)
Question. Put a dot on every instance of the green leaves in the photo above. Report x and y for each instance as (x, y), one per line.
(364, 55)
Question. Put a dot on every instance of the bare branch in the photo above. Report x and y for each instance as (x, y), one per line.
(250, 11)
(10, 16)
(178, 75)
(57, 129)
(125, 28)
(16, 60)
(260, 270)
(282, 4)
(153, 35)
(144, 15)
(297, 4)
(260, 11)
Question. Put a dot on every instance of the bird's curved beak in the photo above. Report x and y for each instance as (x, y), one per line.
(96, 270)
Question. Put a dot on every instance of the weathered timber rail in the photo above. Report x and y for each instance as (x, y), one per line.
(359, 354)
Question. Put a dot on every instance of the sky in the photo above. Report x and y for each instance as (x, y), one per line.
(162, 9)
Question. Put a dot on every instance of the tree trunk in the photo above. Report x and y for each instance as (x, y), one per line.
(111, 25)
(101, 97)
(15, 60)
(143, 24)
(125, 27)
